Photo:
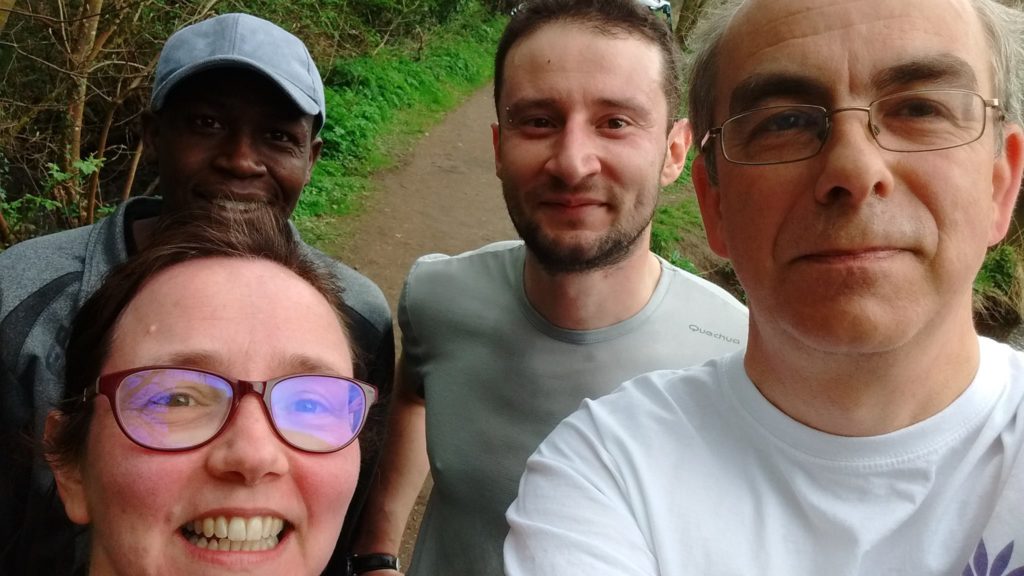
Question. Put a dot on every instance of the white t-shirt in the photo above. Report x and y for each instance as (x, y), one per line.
(694, 472)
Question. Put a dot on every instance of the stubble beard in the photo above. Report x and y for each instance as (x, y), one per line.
(557, 258)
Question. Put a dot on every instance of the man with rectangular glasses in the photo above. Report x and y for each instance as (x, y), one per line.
(503, 342)
(856, 161)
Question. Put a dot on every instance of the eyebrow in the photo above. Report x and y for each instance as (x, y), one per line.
(946, 70)
(757, 88)
(308, 364)
(630, 105)
(290, 113)
(291, 364)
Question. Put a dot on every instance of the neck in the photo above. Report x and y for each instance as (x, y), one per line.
(593, 299)
(865, 394)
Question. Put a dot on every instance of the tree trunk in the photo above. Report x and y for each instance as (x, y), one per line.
(101, 149)
(85, 35)
(133, 170)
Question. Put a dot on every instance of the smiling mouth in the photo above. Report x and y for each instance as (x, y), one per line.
(236, 533)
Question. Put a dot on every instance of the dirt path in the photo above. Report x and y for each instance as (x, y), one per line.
(442, 197)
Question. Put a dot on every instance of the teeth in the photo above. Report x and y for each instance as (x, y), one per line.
(220, 527)
(208, 524)
(236, 529)
(253, 529)
(234, 533)
(268, 526)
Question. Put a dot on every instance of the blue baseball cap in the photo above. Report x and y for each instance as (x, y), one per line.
(242, 41)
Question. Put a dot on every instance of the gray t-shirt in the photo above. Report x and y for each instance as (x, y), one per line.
(497, 378)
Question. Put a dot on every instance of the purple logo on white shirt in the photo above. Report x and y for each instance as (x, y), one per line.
(979, 566)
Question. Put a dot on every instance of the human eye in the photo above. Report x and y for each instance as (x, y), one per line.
(303, 399)
(536, 123)
(915, 107)
(308, 406)
(766, 127)
(615, 123)
(284, 133)
(175, 399)
(205, 122)
(788, 120)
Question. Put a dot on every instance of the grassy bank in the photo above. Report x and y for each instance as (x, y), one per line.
(381, 103)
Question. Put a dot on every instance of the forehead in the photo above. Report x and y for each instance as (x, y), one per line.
(252, 317)
(573, 60)
(234, 89)
(855, 48)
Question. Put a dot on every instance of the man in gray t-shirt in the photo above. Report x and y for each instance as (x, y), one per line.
(501, 343)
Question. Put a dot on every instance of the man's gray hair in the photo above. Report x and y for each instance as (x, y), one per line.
(1002, 22)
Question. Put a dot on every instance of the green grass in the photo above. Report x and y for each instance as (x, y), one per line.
(672, 220)
(676, 217)
(379, 104)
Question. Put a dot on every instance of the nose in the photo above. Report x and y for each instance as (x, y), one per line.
(854, 166)
(248, 450)
(575, 155)
(239, 156)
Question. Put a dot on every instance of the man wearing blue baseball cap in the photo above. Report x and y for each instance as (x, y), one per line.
(236, 108)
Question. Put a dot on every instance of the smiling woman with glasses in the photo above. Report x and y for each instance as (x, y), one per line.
(210, 419)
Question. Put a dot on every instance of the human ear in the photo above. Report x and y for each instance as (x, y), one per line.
(710, 200)
(68, 475)
(679, 140)
(315, 147)
(1006, 180)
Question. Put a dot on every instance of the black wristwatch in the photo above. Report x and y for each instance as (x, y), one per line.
(363, 563)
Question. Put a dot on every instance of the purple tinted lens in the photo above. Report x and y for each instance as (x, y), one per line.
(318, 413)
(172, 408)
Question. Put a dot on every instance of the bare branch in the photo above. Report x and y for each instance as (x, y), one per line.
(65, 21)
(133, 170)
(40, 60)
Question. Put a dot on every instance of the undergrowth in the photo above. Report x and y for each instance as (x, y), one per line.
(377, 104)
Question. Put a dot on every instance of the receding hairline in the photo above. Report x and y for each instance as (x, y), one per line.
(945, 68)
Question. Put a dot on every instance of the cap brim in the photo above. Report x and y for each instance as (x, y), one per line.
(301, 100)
